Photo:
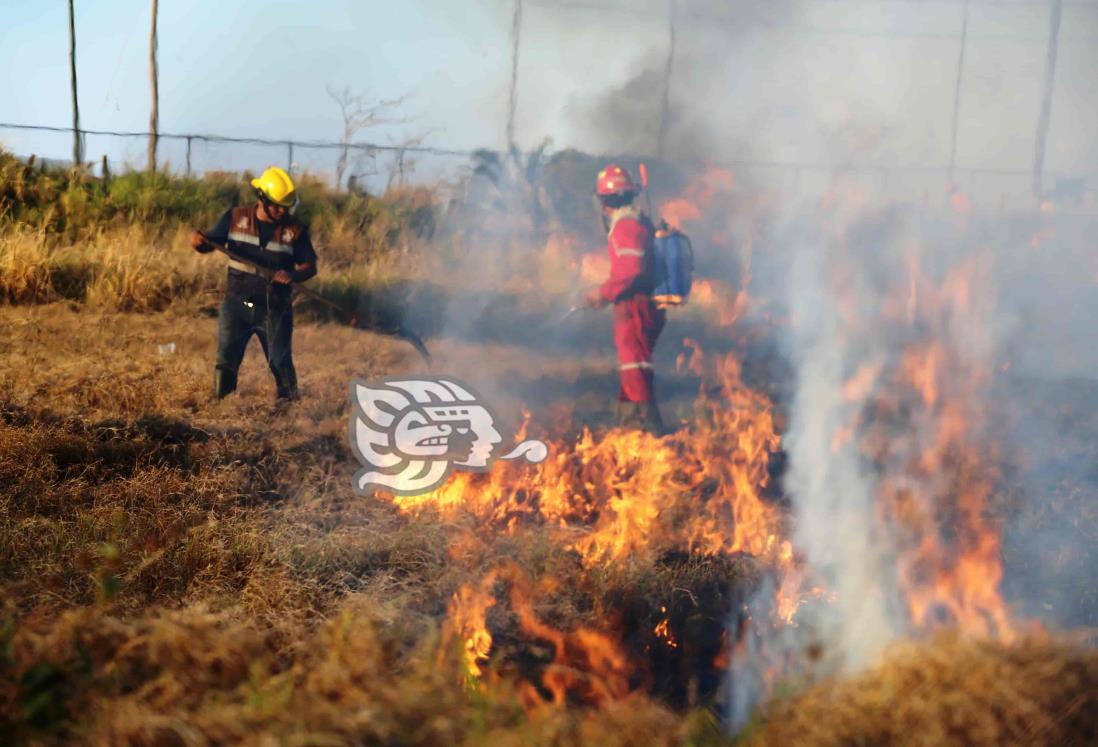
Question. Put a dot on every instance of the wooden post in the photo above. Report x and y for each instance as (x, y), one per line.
(289, 156)
(516, 28)
(957, 92)
(154, 113)
(1046, 102)
(77, 144)
(188, 155)
(669, 66)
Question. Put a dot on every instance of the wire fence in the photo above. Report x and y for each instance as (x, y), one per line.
(382, 164)
(1001, 187)
(248, 151)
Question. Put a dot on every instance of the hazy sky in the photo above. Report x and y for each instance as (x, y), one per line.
(788, 80)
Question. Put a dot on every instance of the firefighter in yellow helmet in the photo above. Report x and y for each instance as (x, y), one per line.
(267, 233)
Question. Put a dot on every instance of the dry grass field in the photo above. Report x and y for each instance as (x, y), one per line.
(176, 569)
(180, 571)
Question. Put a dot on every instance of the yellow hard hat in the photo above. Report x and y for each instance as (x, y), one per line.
(277, 186)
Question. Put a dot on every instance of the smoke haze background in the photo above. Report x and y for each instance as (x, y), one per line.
(806, 82)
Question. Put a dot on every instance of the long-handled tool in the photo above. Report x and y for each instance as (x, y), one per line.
(644, 186)
(346, 316)
(569, 314)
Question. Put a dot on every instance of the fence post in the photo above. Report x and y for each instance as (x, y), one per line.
(668, 70)
(1046, 100)
(289, 155)
(154, 110)
(188, 155)
(957, 92)
(77, 143)
(516, 31)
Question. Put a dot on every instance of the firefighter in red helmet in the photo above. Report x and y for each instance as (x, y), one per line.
(637, 320)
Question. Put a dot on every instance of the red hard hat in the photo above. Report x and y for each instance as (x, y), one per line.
(614, 180)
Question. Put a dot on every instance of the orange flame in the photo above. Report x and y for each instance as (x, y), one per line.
(697, 196)
(587, 664)
(631, 492)
(663, 630)
(937, 496)
(467, 620)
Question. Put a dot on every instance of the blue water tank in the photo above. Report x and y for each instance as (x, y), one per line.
(674, 267)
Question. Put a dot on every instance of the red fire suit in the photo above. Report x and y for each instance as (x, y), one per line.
(637, 321)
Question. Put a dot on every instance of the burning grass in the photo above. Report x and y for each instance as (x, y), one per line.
(212, 580)
(186, 571)
(190, 571)
(952, 690)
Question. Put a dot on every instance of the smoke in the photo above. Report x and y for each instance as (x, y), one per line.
(813, 84)
(926, 439)
(674, 100)
(500, 275)
(943, 392)
(832, 494)
(626, 118)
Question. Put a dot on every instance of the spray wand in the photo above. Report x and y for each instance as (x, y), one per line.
(644, 186)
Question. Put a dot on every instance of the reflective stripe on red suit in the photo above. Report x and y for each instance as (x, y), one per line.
(637, 321)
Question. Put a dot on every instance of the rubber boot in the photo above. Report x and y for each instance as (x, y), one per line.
(653, 421)
(224, 382)
(630, 415)
(286, 383)
(641, 416)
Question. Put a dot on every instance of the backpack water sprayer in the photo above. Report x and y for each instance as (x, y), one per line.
(673, 260)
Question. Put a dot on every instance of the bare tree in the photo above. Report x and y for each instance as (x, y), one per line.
(402, 164)
(361, 167)
(358, 113)
(154, 112)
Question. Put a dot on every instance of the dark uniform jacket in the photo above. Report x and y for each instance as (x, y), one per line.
(272, 246)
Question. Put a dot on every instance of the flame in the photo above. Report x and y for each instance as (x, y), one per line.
(936, 494)
(679, 210)
(663, 630)
(719, 297)
(620, 495)
(628, 492)
(467, 620)
(594, 268)
(588, 665)
(697, 196)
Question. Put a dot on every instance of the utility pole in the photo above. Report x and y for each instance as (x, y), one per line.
(957, 92)
(516, 28)
(77, 143)
(1046, 103)
(669, 66)
(154, 112)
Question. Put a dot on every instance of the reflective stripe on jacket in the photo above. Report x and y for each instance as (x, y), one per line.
(278, 254)
(630, 245)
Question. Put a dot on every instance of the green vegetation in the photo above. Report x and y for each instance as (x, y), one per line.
(74, 205)
(121, 243)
